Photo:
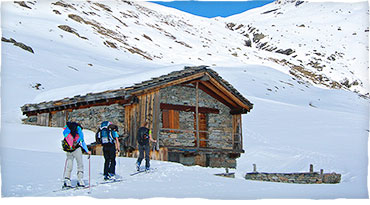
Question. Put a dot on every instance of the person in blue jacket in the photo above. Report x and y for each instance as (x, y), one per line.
(75, 129)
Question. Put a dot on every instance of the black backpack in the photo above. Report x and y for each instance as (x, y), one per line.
(143, 135)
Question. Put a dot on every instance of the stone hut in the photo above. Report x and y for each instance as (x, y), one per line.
(194, 114)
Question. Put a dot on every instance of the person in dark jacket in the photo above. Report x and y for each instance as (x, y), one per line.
(144, 135)
(111, 147)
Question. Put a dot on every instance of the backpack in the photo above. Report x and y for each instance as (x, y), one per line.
(143, 135)
(70, 141)
(104, 135)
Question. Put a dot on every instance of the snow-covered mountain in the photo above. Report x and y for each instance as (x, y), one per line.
(56, 49)
(327, 45)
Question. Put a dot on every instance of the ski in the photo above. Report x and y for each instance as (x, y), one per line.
(72, 188)
(138, 172)
(142, 170)
(110, 181)
(87, 187)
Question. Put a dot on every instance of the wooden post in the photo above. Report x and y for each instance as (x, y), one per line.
(157, 111)
(197, 113)
(311, 168)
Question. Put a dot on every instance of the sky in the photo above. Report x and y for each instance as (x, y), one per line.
(212, 9)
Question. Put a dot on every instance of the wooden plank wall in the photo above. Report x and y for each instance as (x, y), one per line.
(237, 131)
(43, 119)
(147, 109)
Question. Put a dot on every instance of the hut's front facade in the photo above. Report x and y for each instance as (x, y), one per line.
(194, 114)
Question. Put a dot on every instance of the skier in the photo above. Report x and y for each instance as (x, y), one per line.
(143, 137)
(73, 131)
(107, 135)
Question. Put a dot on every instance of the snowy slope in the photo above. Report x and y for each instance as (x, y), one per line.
(297, 135)
(293, 123)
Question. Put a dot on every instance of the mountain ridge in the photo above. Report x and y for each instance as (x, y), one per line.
(166, 36)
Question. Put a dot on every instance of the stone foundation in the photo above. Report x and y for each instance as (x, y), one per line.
(203, 159)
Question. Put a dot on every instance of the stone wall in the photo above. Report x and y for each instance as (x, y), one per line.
(298, 178)
(90, 118)
(219, 125)
(204, 159)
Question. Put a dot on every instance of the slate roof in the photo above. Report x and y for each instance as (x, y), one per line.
(125, 93)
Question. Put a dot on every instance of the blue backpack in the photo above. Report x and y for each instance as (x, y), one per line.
(105, 133)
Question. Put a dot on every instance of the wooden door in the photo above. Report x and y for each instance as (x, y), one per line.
(202, 127)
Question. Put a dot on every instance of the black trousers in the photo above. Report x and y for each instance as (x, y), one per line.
(109, 151)
(144, 148)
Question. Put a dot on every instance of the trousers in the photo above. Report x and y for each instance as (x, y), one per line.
(77, 154)
(144, 148)
(109, 151)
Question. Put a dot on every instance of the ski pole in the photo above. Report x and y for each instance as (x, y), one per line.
(89, 172)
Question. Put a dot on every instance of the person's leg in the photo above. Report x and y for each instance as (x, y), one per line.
(68, 171)
(80, 166)
(147, 157)
(113, 160)
(106, 162)
(141, 157)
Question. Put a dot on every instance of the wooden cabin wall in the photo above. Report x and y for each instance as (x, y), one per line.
(59, 119)
(147, 109)
(43, 119)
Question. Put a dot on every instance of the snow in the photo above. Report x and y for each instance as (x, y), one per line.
(297, 135)
(293, 124)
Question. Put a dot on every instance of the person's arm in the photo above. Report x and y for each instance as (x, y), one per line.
(115, 136)
(150, 136)
(82, 140)
(66, 131)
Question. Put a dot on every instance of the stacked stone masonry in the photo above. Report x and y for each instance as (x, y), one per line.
(90, 118)
(298, 178)
(219, 126)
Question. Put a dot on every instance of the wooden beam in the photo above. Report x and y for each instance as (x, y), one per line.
(187, 108)
(238, 111)
(156, 118)
(197, 112)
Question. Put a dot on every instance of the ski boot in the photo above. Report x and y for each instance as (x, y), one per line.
(137, 166)
(111, 176)
(80, 183)
(67, 183)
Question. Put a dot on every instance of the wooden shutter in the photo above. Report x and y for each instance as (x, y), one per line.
(170, 119)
